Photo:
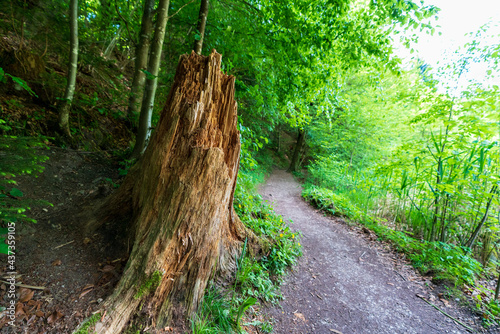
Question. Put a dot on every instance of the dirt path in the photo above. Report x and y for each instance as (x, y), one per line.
(346, 282)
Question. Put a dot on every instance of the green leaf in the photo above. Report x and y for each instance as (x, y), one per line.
(149, 75)
(23, 84)
(243, 307)
(3, 78)
(4, 248)
(16, 192)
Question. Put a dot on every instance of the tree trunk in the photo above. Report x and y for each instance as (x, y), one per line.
(153, 65)
(202, 22)
(141, 59)
(112, 44)
(474, 235)
(63, 118)
(179, 196)
(296, 153)
(497, 289)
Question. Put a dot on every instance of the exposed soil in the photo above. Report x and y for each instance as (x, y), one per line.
(348, 282)
(77, 270)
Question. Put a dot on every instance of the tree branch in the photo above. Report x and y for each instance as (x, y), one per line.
(126, 23)
(180, 9)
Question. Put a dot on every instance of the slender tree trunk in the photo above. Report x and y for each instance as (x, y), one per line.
(141, 59)
(497, 289)
(148, 100)
(179, 197)
(72, 69)
(432, 235)
(443, 219)
(296, 153)
(474, 235)
(202, 22)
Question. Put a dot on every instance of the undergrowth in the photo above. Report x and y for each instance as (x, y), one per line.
(18, 156)
(445, 262)
(257, 277)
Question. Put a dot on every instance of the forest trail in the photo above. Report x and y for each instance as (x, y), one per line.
(346, 282)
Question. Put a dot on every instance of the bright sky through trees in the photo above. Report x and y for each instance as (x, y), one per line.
(457, 19)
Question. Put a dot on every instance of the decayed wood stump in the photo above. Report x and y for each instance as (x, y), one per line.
(178, 198)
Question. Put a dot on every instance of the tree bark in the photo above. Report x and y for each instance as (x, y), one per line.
(141, 59)
(296, 153)
(179, 197)
(63, 118)
(148, 100)
(497, 289)
(202, 22)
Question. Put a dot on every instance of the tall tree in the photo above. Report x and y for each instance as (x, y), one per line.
(294, 162)
(141, 59)
(72, 69)
(179, 198)
(144, 130)
(202, 22)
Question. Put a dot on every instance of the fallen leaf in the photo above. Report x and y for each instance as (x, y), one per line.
(19, 310)
(57, 262)
(300, 316)
(445, 302)
(34, 305)
(107, 268)
(84, 292)
(25, 294)
(39, 314)
(56, 315)
(86, 241)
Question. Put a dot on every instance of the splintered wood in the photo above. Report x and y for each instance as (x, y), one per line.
(179, 196)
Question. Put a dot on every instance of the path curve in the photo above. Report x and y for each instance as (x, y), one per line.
(343, 283)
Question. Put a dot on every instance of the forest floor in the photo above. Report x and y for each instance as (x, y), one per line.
(74, 271)
(348, 282)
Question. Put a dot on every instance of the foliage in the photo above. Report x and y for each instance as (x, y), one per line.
(385, 147)
(18, 156)
(16, 80)
(431, 186)
(214, 314)
(256, 278)
(443, 261)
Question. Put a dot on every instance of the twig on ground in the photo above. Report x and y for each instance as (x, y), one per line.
(397, 272)
(64, 244)
(26, 286)
(446, 314)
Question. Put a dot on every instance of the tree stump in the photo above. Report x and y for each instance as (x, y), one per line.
(179, 200)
